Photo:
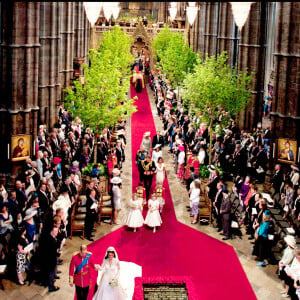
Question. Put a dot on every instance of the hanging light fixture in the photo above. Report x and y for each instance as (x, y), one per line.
(240, 12)
(107, 9)
(92, 10)
(115, 10)
(191, 12)
(173, 11)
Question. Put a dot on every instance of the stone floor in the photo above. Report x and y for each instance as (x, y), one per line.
(264, 281)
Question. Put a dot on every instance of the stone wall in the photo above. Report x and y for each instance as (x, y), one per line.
(39, 43)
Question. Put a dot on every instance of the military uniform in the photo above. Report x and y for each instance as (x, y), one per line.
(81, 279)
(149, 169)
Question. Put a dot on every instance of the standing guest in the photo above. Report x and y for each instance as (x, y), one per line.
(149, 168)
(39, 162)
(288, 198)
(276, 181)
(146, 142)
(244, 191)
(20, 194)
(287, 258)
(262, 247)
(217, 205)
(212, 184)
(294, 176)
(30, 225)
(6, 227)
(202, 156)
(22, 242)
(135, 218)
(117, 194)
(296, 209)
(120, 153)
(181, 160)
(225, 210)
(48, 258)
(153, 218)
(158, 139)
(80, 272)
(194, 200)
(91, 214)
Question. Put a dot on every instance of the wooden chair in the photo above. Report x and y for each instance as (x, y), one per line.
(77, 222)
(105, 204)
(205, 208)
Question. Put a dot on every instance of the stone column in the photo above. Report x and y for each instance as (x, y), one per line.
(285, 110)
(19, 69)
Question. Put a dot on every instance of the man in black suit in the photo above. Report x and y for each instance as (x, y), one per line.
(20, 195)
(37, 176)
(91, 214)
(157, 139)
(46, 162)
(276, 181)
(212, 184)
(44, 199)
(217, 205)
(225, 211)
(260, 164)
(120, 153)
(48, 258)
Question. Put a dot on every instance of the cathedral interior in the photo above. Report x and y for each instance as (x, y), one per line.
(44, 48)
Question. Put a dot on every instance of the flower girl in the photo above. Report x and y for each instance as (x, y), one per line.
(135, 218)
(153, 218)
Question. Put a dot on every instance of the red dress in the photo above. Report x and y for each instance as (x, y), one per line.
(83, 277)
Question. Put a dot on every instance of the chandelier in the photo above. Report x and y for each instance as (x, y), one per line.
(191, 11)
(92, 10)
(173, 10)
(240, 12)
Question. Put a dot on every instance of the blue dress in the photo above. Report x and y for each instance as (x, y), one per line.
(30, 231)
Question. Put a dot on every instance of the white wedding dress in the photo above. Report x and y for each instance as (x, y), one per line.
(124, 272)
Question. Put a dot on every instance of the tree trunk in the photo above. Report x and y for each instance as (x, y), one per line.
(210, 140)
(95, 150)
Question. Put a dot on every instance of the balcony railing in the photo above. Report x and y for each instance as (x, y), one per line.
(130, 30)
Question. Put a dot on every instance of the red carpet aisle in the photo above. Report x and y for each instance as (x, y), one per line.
(175, 249)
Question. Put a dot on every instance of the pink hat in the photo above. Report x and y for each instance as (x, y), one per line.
(56, 160)
(180, 148)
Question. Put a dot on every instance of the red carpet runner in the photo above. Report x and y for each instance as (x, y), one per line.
(175, 249)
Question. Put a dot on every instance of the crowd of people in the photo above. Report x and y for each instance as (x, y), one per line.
(35, 217)
(243, 159)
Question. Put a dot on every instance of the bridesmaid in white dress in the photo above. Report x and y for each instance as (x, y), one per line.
(116, 278)
(160, 170)
(153, 218)
(135, 218)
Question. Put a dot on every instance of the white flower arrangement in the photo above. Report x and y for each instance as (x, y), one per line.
(113, 282)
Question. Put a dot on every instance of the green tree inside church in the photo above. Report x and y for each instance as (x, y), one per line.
(102, 100)
(175, 59)
(216, 92)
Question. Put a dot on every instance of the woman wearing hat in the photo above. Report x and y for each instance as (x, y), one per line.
(262, 246)
(287, 258)
(146, 141)
(156, 153)
(117, 194)
(30, 224)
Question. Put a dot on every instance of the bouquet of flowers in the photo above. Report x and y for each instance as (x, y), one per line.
(113, 282)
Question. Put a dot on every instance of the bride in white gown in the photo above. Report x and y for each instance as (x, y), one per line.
(116, 278)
